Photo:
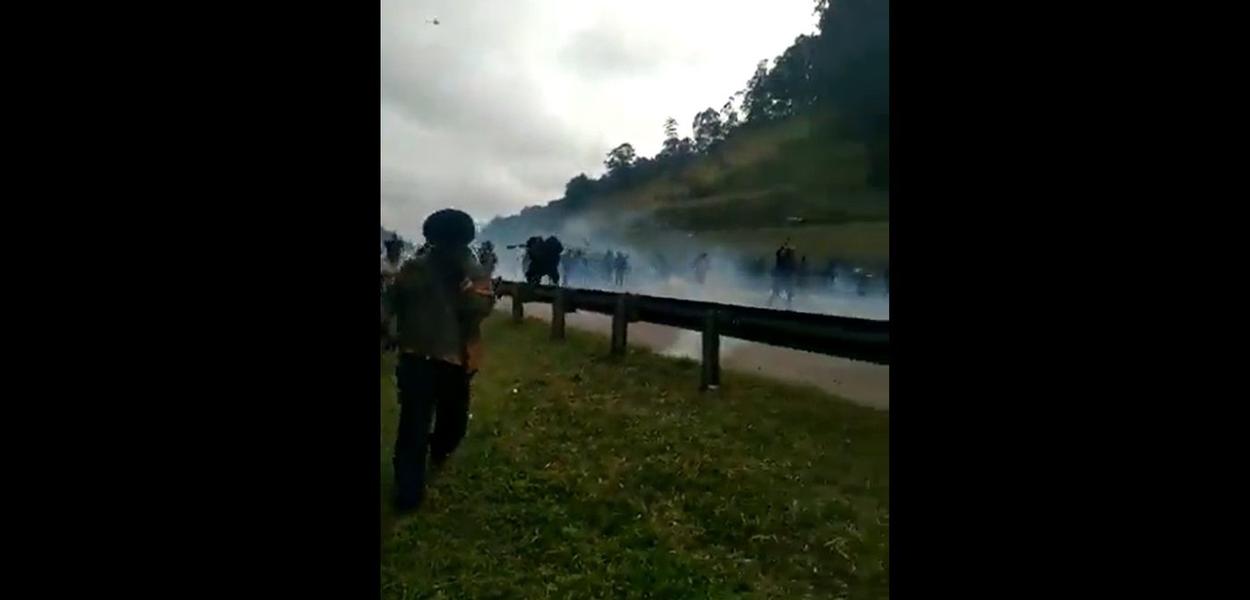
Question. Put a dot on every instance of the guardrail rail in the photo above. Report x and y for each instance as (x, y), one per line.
(858, 339)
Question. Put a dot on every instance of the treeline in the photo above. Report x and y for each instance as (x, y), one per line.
(843, 70)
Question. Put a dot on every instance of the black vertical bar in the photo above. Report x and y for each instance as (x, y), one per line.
(557, 315)
(619, 324)
(518, 303)
(711, 353)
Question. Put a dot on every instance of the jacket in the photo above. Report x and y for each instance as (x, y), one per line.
(435, 318)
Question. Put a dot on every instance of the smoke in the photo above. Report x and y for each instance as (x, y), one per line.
(689, 344)
(660, 267)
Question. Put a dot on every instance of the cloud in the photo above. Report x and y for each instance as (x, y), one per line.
(503, 102)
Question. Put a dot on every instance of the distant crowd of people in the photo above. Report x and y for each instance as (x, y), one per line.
(787, 274)
(583, 266)
(547, 260)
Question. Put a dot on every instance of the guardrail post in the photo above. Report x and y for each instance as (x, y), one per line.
(619, 323)
(710, 378)
(518, 303)
(557, 314)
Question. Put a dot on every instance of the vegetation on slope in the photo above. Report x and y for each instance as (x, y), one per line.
(587, 477)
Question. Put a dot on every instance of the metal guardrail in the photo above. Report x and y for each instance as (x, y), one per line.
(859, 339)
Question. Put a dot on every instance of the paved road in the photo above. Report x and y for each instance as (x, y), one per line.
(862, 383)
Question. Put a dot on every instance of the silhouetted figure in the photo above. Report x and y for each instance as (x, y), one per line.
(660, 266)
(701, 265)
(831, 273)
(573, 262)
(393, 249)
(608, 266)
(583, 263)
(486, 257)
(553, 251)
(783, 274)
(619, 266)
(862, 278)
(803, 273)
(542, 259)
(389, 269)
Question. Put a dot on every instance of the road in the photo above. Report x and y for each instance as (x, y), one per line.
(862, 383)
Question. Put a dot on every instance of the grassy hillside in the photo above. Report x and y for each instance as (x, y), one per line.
(586, 477)
(798, 178)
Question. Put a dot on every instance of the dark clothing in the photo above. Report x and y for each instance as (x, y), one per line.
(488, 260)
(438, 299)
(783, 275)
(620, 265)
(427, 388)
(542, 259)
(785, 260)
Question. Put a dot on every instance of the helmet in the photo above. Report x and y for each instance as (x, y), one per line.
(449, 227)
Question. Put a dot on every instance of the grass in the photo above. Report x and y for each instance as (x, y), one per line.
(588, 477)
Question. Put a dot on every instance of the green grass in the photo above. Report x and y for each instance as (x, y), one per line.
(584, 476)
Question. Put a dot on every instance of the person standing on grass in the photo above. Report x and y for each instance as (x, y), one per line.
(438, 300)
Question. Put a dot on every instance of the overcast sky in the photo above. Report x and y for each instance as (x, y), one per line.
(495, 108)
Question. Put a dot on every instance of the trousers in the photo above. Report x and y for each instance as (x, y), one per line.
(428, 390)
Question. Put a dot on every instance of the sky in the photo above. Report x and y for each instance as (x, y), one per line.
(501, 103)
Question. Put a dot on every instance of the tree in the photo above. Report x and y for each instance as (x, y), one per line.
(852, 55)
(730, 115)
(621, 158)
(670, 128)
(577, 191)
(685, 146)
(756, 99)
(671, 145)
(786, 88)
(578, 187)
(708, 129)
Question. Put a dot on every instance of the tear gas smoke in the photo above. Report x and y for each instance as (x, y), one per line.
(671, 272)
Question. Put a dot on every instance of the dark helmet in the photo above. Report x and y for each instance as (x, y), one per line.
(449, 227)
(486, 245)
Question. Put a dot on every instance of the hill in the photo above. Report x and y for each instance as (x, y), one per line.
(798, 178)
